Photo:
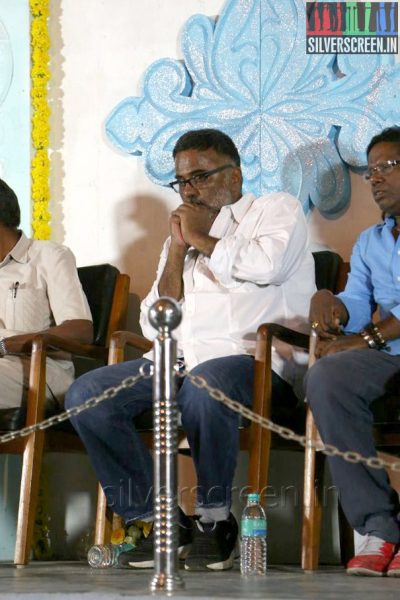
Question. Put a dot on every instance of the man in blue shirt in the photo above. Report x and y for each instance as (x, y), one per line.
(359, 367)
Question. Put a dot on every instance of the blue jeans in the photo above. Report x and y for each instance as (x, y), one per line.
(340, 390)
(122, 461)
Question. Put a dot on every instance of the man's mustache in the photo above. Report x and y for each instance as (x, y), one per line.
(197, 202)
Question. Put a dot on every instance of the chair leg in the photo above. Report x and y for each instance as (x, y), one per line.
(259, 462)
(259, 438)
(106, 520)
(313, 474)
(346, 535)
(31, 467)
(117, 522)
(104, 517)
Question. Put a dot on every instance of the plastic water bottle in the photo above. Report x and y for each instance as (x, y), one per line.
(253, 549)
(103, 556)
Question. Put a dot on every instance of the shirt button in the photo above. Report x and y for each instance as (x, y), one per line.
(398, 279)
(398, 251)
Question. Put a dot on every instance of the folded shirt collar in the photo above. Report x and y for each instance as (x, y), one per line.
(20, 251)
(240, 208)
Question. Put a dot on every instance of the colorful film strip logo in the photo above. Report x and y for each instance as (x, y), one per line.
(352, 28)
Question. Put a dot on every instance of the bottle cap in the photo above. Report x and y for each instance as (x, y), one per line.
(253, 497)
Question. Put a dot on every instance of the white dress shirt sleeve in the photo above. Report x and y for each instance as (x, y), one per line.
(66, 297)
(270, 253)
(147, 329)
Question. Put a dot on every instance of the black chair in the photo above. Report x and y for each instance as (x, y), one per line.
(107, 291)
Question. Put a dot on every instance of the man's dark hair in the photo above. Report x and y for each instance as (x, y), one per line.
(204, 139)
(390, 134)
(10, 214)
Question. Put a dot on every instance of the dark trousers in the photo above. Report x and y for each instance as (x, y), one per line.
(123, 463)
(340, 389)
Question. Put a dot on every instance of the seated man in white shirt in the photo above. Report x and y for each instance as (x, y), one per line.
(233, 261)
(39, 292)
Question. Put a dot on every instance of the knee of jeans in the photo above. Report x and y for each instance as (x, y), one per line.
(196, 403)
(77, 393)
(320, 380)
(202, 408)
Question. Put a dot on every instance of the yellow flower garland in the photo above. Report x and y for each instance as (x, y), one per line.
(40, 172)
(40, 75)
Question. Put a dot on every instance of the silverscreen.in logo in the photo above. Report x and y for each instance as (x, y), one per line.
(352, 28)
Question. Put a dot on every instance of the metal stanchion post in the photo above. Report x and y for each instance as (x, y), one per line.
(165, 315)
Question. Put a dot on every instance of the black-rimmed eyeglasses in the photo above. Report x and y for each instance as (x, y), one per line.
(383, 168)
(197, 181)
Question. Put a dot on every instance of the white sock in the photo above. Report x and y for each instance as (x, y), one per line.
(210, 515)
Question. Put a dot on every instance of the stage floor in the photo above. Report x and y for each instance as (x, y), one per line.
(75, 580)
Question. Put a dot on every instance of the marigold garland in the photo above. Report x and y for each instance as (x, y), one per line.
(40, 75)
(40, 173)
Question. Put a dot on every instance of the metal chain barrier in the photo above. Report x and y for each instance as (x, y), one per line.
(350, 456)
(128, 382)
(353, 457)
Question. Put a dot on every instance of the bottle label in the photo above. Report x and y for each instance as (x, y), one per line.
(123, 547)
(254, 527)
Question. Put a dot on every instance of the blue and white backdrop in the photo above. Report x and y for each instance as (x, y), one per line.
(299, 120)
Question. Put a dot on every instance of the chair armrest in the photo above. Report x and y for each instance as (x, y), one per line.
(41, 344)
(120, 339)
(262, 371)
(45, 341)
(267, 331)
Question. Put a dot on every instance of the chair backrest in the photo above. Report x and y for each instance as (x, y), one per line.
(107, 292)
(327, 267)
(98, 282)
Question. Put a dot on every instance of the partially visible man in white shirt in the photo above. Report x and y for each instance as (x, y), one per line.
(39, 292)
(233, 262)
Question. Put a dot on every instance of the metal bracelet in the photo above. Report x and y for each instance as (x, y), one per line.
(368, 338)
(377, 336)
(3, 348)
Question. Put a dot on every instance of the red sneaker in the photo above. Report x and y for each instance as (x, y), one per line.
(374, 558)
(394, 567)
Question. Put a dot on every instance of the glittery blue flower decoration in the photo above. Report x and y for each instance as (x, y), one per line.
(298, 120)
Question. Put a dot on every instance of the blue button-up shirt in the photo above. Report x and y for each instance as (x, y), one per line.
(374, 280)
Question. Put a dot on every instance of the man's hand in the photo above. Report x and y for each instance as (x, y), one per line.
(325, 347)
(176, 233)
(189, 226)
(171, 283)
(327, 313)
(194, 221)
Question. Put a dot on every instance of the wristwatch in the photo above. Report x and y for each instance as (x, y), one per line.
(3, 349)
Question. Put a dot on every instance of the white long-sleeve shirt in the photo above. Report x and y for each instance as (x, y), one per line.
(261, 270)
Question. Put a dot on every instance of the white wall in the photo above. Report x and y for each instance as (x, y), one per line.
(104, 206)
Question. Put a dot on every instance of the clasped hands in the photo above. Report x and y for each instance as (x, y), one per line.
(191, 221)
